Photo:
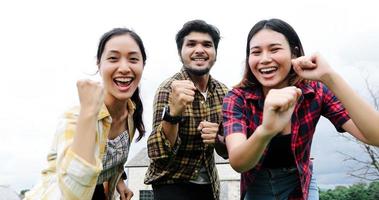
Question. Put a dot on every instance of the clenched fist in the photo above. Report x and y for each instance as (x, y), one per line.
(208, 131)
(278, 109)
(182, 94)
(313, 67)
(91, 95)
(124, 191)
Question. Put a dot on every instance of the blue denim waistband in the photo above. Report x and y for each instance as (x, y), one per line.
(272, 173)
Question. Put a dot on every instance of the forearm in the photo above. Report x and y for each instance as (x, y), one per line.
(85, 137)
(220, 146)
(364, 116)
(170, 131)
(246, 155)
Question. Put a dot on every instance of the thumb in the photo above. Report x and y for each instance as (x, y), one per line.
(201, 126)
(129, 195)
(298, 92)
(122, 195)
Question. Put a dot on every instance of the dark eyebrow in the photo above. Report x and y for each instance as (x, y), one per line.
(275, 44)
(271, 45)
(201, 41)
(113, 51)
(117, 52)
(133, 53)
(207, 42)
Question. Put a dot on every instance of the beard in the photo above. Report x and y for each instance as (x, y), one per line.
(197, 72)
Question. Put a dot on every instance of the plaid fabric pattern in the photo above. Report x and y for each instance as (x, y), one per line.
(243, 111)
(67, 175)
(182, 161)
(117, 154)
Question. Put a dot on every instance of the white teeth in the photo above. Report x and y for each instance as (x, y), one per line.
(266, 70)
(199, 59)
(124, 80)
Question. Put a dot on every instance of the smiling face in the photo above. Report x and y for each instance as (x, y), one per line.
(121, 67)
(198, 53)
(270, 59)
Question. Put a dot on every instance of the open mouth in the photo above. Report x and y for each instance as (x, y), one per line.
(268, 70)
(123, 82)
(199, 59)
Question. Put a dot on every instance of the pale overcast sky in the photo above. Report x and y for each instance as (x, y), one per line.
(45, 46)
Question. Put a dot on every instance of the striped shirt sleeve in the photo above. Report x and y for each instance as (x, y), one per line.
(67, 176)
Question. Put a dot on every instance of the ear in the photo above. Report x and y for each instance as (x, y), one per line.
(98, 68)
(295, 52)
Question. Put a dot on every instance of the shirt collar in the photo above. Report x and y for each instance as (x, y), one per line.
(256, 93)
(103, 113)
(306, 88)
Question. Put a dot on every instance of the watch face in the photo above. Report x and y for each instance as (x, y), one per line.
(168, 118)
(164, 111)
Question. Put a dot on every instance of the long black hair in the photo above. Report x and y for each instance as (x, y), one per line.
(289, 33)
(137, 116)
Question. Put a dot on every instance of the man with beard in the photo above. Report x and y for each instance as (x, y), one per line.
(187, 121)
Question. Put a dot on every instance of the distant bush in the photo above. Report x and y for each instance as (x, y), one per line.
(360, 191)
(22, 193)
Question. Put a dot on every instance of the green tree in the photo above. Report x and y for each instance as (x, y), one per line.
(360, 191)
(373, 190)
(22, 193)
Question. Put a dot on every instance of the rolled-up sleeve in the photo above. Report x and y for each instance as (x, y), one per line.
(159, 146)
(68, 176)
(234, 118)
(333, 109)
(76, 176)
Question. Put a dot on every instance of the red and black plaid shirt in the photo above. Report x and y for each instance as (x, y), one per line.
(243, 111)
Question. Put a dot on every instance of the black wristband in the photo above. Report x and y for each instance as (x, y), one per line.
(168, 118)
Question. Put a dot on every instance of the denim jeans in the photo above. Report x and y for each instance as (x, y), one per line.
(183, 191)
(313, 193)
(277, 184)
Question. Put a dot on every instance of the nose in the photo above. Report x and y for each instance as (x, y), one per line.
(199, 49)
(124, 66)
(266, 58)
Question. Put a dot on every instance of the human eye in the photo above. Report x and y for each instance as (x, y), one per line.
(208, 44)
(275, 49)
(134, 59)
(255, 52)
(112, 58)
(190, 44)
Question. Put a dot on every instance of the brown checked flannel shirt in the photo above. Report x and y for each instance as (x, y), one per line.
(182, 162)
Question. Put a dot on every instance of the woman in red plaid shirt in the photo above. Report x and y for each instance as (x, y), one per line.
(271, 115)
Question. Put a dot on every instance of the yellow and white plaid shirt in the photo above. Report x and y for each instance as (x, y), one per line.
(67, 175)
(183, 161)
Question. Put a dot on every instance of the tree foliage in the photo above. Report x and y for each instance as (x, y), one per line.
(360, 191)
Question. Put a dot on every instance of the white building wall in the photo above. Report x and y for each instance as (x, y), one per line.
(135, 180)
(230, 182)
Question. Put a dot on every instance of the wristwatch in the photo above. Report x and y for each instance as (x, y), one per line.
(168, 118)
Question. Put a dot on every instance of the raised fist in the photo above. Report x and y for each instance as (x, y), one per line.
(182, 94)
(91, 95)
